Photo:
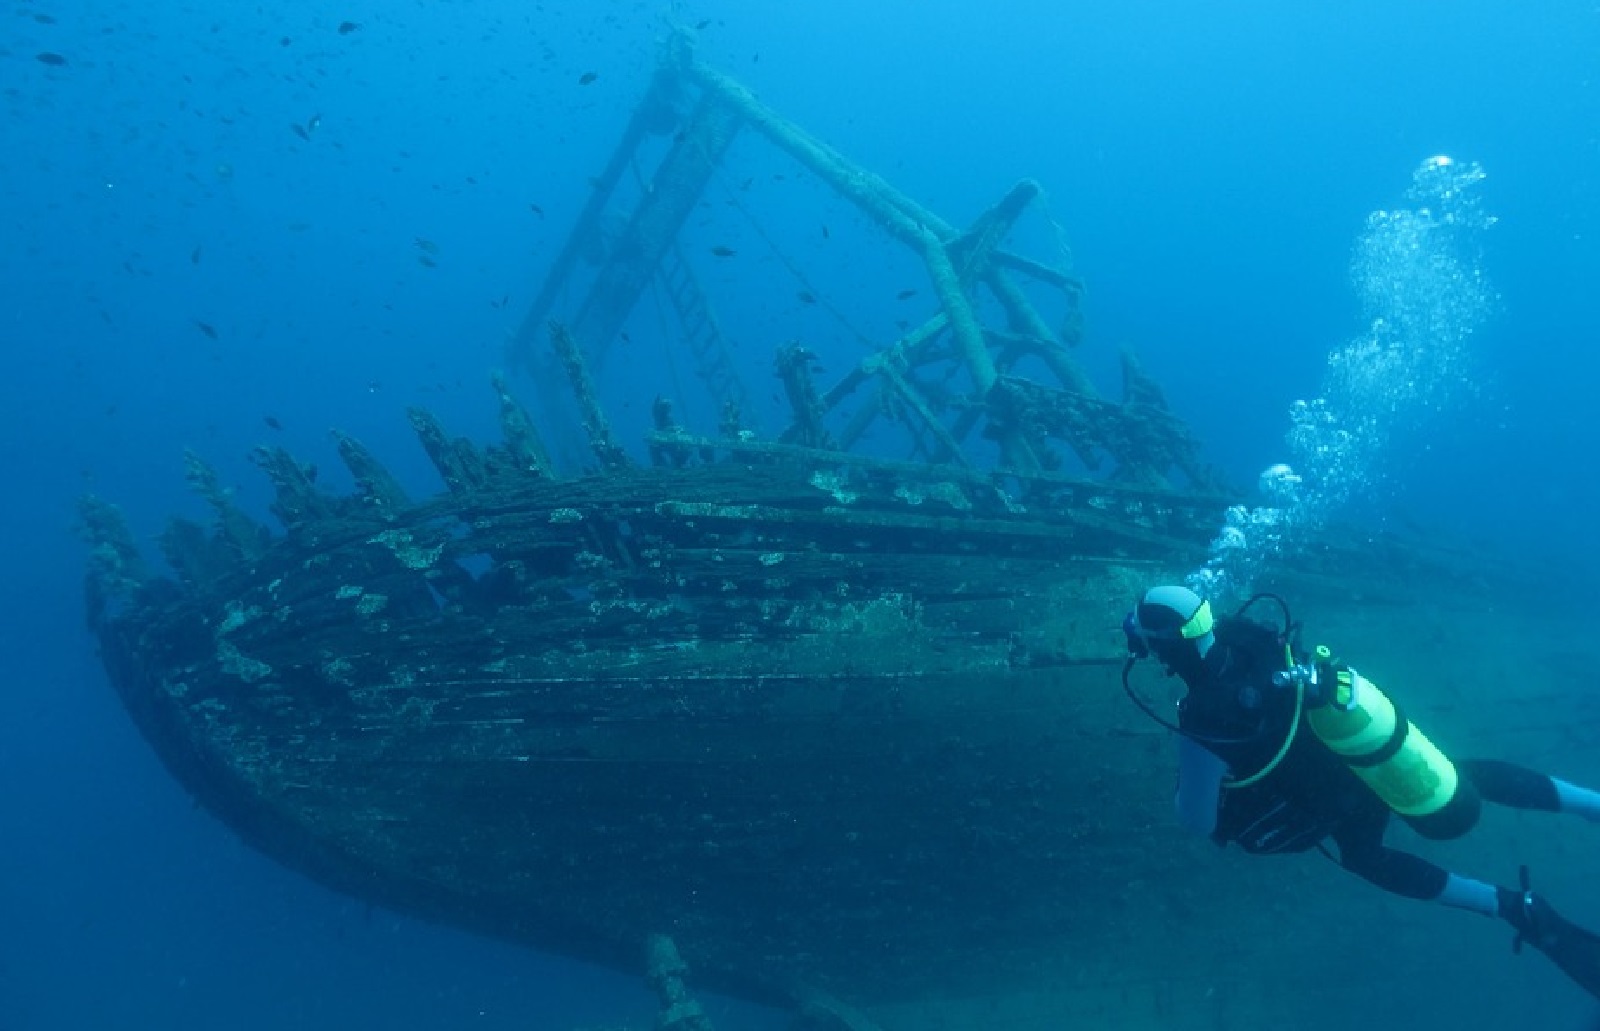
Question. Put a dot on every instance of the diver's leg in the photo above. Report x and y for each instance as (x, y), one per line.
(1521, 788)
(1579, 800)
(1363, 853)
(1415, 878)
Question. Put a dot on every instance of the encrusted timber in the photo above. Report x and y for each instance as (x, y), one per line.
(116, 569)
(794, 365)
(202, 555)
(972, 256)
(815, 1011)
(595, 424)
(799, 500)
(238, 532)
(475, 476)
(737, 550)
(300, 503)
(375, 484)
(205, 557)
(523, 445)
(198, 554)
(666, 972)
(1144, 439)
(460, 464)
(464, 467)
(668, 427)
(918, 404)
(298, 500)
(956, 264)
(910, 350)
(1143, 515)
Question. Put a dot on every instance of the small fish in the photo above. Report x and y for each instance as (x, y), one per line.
(905, 295)
(536, 209)
(285, 41)
(426, 245)
(300, 131)
(347, 27)
(825, 233)
(45, 19)
(313, 123)
(501, 303)
(625, 337)
(587, 77)
(723, 252)
(427, 262)
(807, 297)
(194, 256)
(702, 23)
(50, 58)
(272, 421)
(207, 328)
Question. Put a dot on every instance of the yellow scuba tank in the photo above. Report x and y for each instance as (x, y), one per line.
(1363, 727)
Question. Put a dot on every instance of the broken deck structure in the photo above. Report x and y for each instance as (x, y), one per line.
(984, 327)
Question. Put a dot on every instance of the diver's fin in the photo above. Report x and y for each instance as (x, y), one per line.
(1575, 950)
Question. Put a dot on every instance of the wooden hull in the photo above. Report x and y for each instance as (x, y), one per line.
(827, 743)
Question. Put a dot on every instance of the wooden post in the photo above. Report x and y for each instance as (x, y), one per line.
(594, 417)
(523, 442)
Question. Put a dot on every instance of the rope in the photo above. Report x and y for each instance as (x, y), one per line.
(787, 262)
(662, 326)
(665, 330)
(1057, 230)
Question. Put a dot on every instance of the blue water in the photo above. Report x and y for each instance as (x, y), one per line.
(214, 214)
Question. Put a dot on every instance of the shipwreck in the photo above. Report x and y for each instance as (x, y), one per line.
(840, 722)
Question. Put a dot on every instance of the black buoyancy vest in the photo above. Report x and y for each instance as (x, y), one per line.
(1243, 719)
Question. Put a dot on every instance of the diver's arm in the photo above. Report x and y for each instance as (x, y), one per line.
(1200, 776)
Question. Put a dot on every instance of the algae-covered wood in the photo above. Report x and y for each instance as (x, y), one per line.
(822, 733)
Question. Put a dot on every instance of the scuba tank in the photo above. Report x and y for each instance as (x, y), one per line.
(1358, 722)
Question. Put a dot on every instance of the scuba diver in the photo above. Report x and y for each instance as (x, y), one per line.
(1280, 752)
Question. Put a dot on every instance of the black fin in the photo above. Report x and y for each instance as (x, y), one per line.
(1572, 948)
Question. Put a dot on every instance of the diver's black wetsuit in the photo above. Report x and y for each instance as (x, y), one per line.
(1234, 712)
